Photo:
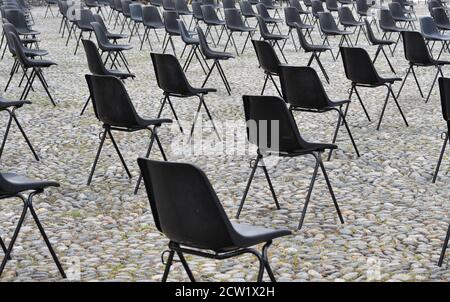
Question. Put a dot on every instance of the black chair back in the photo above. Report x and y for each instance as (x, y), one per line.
(94, 59)
(358, 66)
(267, 57)
(169, 74)
(415, 48)
(170, 22)
(444, 89)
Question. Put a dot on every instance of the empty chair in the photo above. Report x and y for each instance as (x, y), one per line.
(296, 4)
(13, 185)
(304, 92)
(197, 14)
(137, 18)
(348, 21)
(17, 18)
(211, 20)
(110, 35)
(435, 4)
(329, 29)
(360, 70)
(63, 7)
(444, 89)
(362, 8)
(264, 14)
(172, 29)
(268, 61)
(417, 55)
(431, 33)
(315, 51)
(114, 109)
(388, 26)
(399, 15)
(332, 5)
(269, 120)
(84, 25)
(272, 38)
(293, 20)
(234, 24)
(167, 68)
(96, 66)
(114, 51)
(216, 57)
(152, 21)
(441, 19)
(36, 67)
(316, 8)
(407, 11)
(186, 209)
(182, 8)
(168, 5)
(246, 11)
(378, 42)
(228, 4)
(270, 5)
(191, 41)
(126, 13)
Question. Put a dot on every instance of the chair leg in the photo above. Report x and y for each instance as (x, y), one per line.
(119, 153)
(149, 149)
(434, 82)
(174, 113)
(404, 80)
(43, 82)
(308, 196)
(85, 105)
(44, 236)
(186, 266)
(335, 135)
(168, 265)
(387, 59)
(276, 86)
(195, 120)
(266, 173)
(5, 136)
(3, 246)
(417, 82)
(444, 247)
(224, 78)
(444, 145)
(13, 114)
(362, 104)
(349, 132)
(397, 104)
(202, 100)
(383, 110)
(265, 259)
(266, 78)
(14, 237)
(252, 174)
(96, 157)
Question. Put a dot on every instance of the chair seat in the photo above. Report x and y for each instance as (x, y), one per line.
(404, 19)
(220, 55)
(144, 123)
(301, 26)
(153, 25)
(137, 19)
(437, 37)
(115, 47)
(27, 31)
(34, 52)
(116, 36)
(29, 40)
(337, 32)
(352, 23)
(19, 183)
(250, 235)
(276, 37)
(443, 26)
(196, 91)
(309, 147)
(273, 20)
(392, 29)
(317, 48)
(119, 74)
(377, 41)
(5, 103)
(40, 63)
(242, 28)
(184, 12)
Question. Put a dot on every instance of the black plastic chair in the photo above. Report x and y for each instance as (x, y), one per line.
(167, 69)
(330, 29)
(211, 20)
(271, 37)
(118, 8)
(304, 92)
(270, 5)
(268, 61)
(186, 209)
(417, 54)
(172, 29)
(152, 21)
(113, 107)
(126, 13)
(388, 26)
(137, 18)
(234, 22)
(96, 66)
(190, 40)
(444, 87)
(215, 56)
(410, 12)
(315, 51)
(11, 106)
(13, 185)
(378, 42)
(347, 20)
(293, 20)
(316, 8)
(197, 14)
(265, 115)
(228, 4)
(362, 9)
(114, 51)
(360, 70)
(247, 11)
(182, 8)
(296, 4)
(168, 5)
(36, 66)
(264, 14)
(110, 35)
(17, 18)
(431, 33)
(84, 25)
(63, 7)
(441, 19)
(332, 5)
(399, 15)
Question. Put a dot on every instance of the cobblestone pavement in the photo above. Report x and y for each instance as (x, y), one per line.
(395, 218)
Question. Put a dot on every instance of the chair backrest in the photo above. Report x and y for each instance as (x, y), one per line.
(136, 11)
(370, 33)
(99, 20)
(181, 6)
(267, 3)
(95, 62)
(331, 4)
(63, 7)
(428, 26)
(8, 30)
(186, 36)
(292, 16)
(345, 15)
(151, 15)
(17, 18)
(444, 89)
(362, 7)
(433, 5)
(316, 8)
(264, 116)
(296, 4)
(118, 5)
(126, 7)
(415, 48)
(263, 30)
(86, 18)
(169, 74)
(184, 205)
(111, 101)
(267, 57)
(170, 22)
(246, 8)
(386, 19)
(440, 17)
(204, 47)
(262, 11)
(396, 10)
(168, 4)
(301, 87)
(229, 4)
(209, 13)
(197, 10)
(327, 23)
(358, 66)
(301, 37)
(100, 34)
(18, 49)
(233, 18)
(156, 2)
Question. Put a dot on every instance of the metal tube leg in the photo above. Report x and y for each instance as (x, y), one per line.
(186, 266)
(25, 137)
(96, 157)
(444, 247)
(308, 196)
(118, 152)
(404, 80)
(432, 85)
(266, 173)
(6, 134)
(195, 120)
(252, 174)
(168, 265)
(265, 83)
(335, 134)
(349, 133)
(3, 246)
(330, 188)
(444, 145)
(417, 82)
(261, 267)
(85, 105)
(362, 104)
(44, 236)
(209, 115)
(398, 105)
(266, 261)
(174, 114)
(152, 139)
(383, 110)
